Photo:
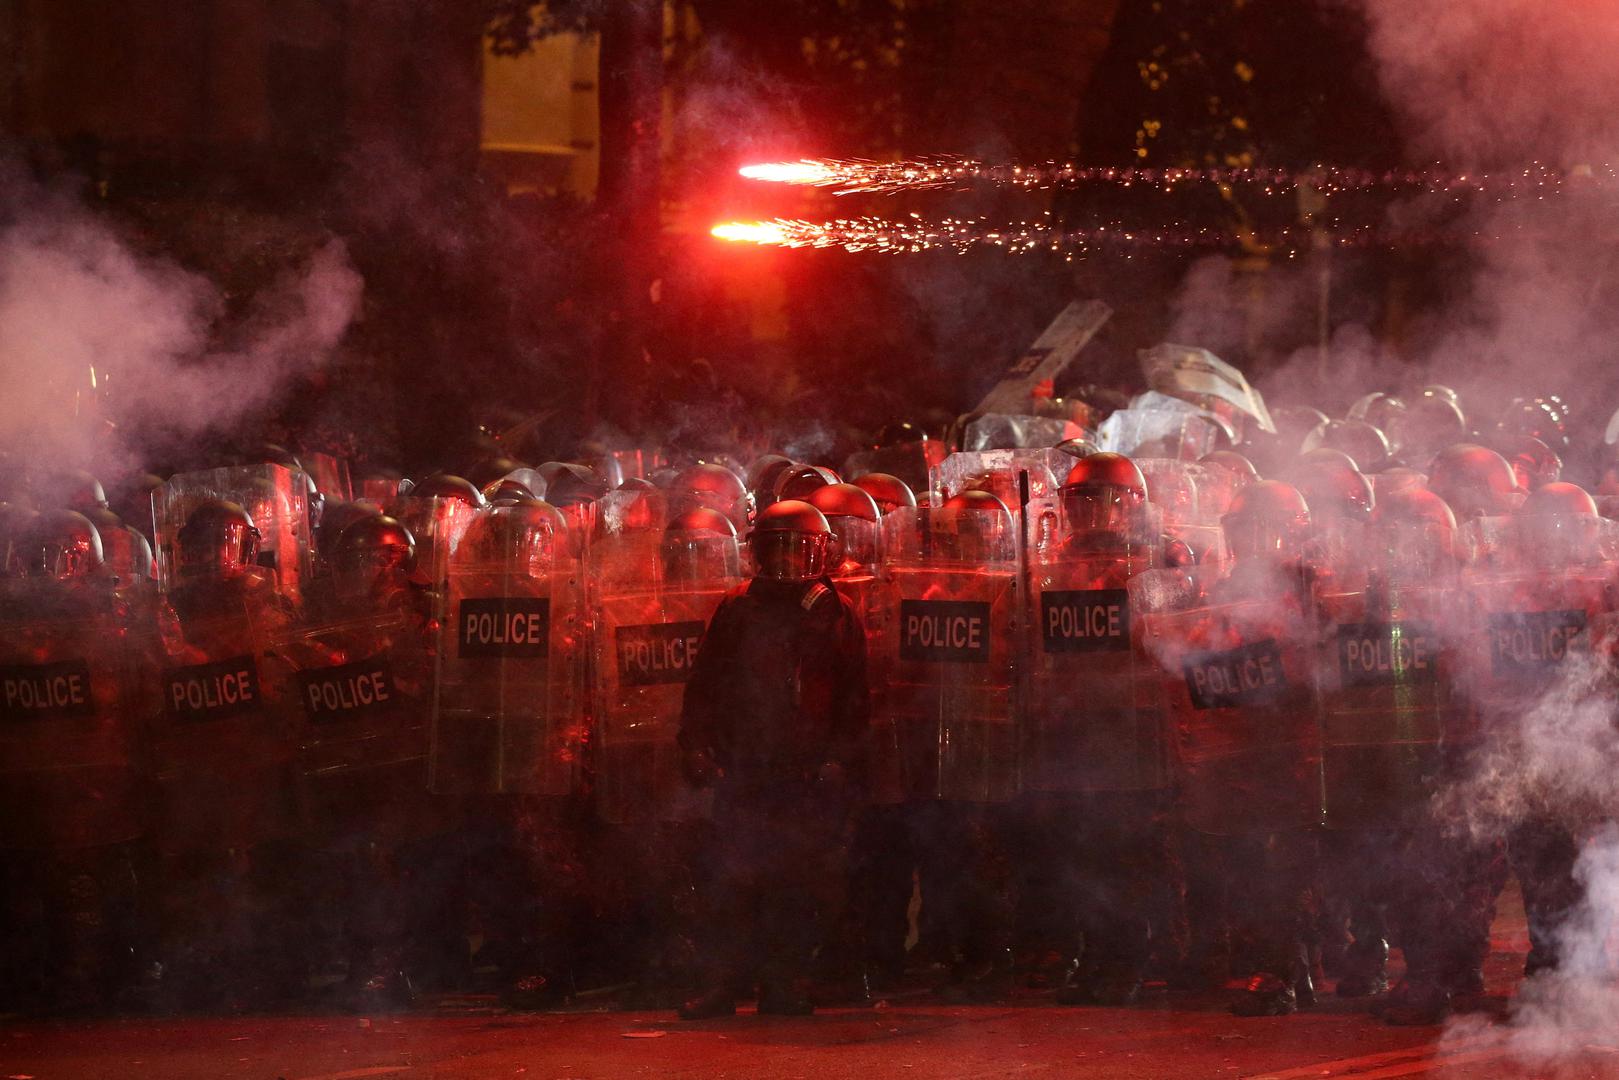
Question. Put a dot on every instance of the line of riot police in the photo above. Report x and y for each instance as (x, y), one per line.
(1159, 719)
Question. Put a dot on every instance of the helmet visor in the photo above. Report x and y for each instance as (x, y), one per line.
(789, 556)
(1103, 508)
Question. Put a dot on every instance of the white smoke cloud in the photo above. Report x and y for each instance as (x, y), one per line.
(103, 347)
(1497, 85)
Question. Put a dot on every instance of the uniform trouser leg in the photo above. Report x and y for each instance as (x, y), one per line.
(772, 858)
(1205, 894)
(881, 874)
(75, 915)
(1542, 853)
(1273, 897)
(1117, 881)
(964, 876)
(1444, 901)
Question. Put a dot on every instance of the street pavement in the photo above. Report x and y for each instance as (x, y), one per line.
(910, 1036)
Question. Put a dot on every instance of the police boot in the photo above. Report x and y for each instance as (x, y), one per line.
(710, 1005)
(1269, 994)
(1419, 999)
(1365, 969)
(1109, 988)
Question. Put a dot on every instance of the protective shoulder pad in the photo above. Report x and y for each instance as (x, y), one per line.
(815, 595)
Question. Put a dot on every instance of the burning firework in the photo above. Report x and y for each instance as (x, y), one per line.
(855, 176)
(916, 234)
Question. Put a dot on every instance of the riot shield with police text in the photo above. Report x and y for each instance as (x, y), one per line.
(950, 578)
(358, 697)
(1236, 645)
(69, 717)
(222, 750)
(507, 718)
(1385, 674)
(1095, 712)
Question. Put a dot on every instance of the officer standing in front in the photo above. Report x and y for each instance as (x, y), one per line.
(774, 716)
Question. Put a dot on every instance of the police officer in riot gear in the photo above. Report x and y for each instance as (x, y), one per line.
(1095, 768)
(70, 814)
(774, 717)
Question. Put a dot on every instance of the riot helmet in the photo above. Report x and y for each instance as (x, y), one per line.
(888, 491)
(1104, 495)
(1474, 480)
(1266, 519)
(218, 540)
(699, 547)
(854, 516)
(59, 545)
(790, 542)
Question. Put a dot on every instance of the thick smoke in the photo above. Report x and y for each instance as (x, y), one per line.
(105, 350)
(1496, 85)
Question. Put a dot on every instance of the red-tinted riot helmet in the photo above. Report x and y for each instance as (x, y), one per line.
(1428, 425)
(83, 492)
(1533, 462)
(1474, 480)
(1365, 444)
(1332, 486)
(448, 486)
(374, 545)
(127, 554)
(218, 540)
(1412, 533)
(1558, 525)
(889, 492)
(715, 487)
(853, 515)
(762, 477)
(59, 544)
(699, 546)
(1267, 518)
(800, 480)
(1104, 493)
(489, 470)
(1377, 409)
(790, 541)
(1232, 462)
(1538, 418)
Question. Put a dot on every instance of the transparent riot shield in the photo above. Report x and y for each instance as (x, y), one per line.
(951, 589)
(912, 462)
(69, 718)
(996, 471)
(859, 579)
(437, 524)
(1236, 644)
(222, 751)
(1526, 626)
(507, 716)
(358, 696)
(1385, 675)
(1094, 717)
(1188, 497)
(646, 635)
(277, 499)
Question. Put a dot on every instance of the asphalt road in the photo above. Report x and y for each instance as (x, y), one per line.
(1165, 1036)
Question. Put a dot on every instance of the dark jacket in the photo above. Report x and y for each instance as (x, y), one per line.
(779, 686)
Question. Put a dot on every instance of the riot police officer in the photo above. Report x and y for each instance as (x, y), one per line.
(774, 717)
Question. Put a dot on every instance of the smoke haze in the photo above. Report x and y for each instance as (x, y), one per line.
(105, 349)
(1498, 84)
